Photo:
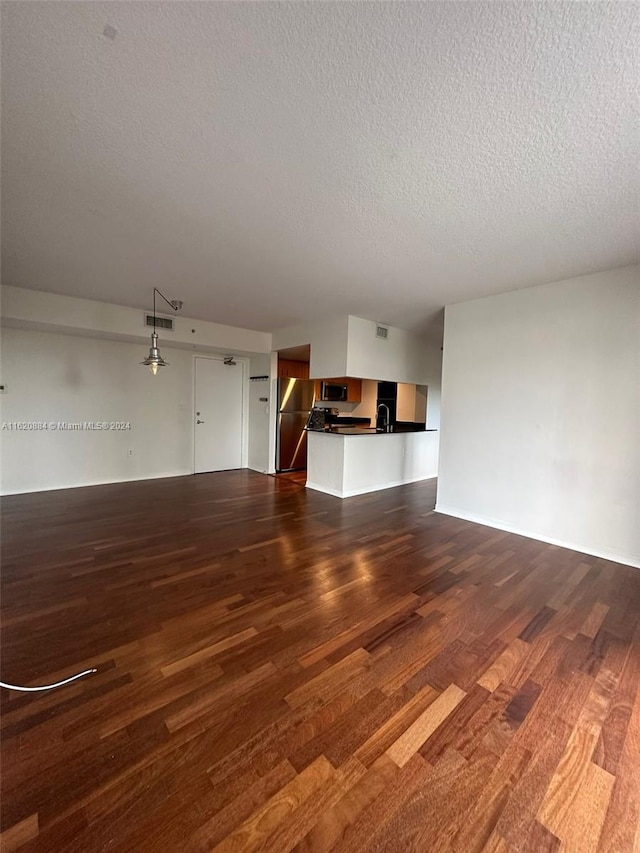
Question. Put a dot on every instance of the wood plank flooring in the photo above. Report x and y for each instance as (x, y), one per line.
(281, 670)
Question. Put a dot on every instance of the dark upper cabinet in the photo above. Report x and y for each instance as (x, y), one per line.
(387, 391)
(387, 395)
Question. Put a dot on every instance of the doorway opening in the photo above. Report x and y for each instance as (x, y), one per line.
(218, 414)
(295, 400)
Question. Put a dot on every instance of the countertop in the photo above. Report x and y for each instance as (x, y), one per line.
(366, 431)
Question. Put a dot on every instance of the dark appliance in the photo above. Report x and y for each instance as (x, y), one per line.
(295, 401)
(317, 420)
(333, 392)
(387, 396)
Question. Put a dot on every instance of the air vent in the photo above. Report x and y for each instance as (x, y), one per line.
(382, 332)
(165, 323)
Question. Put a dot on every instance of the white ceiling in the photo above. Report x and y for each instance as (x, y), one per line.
(269, 163)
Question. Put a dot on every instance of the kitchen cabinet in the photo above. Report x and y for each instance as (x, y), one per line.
(412, 403)
(406, 410)
(354, 388)
(288, 369)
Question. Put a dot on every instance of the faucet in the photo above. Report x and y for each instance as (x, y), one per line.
(387, 425)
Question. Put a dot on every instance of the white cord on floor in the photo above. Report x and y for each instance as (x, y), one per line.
(48, 686)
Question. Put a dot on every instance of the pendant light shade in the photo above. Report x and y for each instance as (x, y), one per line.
(154, 360)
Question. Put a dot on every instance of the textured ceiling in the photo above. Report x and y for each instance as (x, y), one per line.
(270, 163)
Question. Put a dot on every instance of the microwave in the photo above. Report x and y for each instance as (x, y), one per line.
(333, 392)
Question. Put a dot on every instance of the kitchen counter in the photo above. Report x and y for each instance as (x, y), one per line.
(368, 431)
(339, 465)
(352, 431)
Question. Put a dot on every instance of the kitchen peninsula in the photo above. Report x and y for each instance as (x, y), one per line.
(352, 461)
(379, 450)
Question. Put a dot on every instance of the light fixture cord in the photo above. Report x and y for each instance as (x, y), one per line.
(170, 304)
(47, 686)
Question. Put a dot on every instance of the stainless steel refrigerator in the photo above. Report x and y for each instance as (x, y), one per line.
(295, 401)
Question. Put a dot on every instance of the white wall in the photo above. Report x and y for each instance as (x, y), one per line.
(51, 312)
(89, 343)
(52, 377)
(541, 413)
(328, 340)
(259, 412)
(402, 357)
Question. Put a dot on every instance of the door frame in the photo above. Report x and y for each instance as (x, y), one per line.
(243, 363)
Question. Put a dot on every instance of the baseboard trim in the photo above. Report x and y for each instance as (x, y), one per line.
(604, 554)
(352, 493)
(316, 488)
(97, 483)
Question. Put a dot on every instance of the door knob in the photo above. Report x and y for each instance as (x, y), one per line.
(198, 421)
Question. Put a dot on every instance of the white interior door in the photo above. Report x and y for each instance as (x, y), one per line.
(218, 415)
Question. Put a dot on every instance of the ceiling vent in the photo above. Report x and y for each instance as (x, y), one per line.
(382, 332)
(165, 323)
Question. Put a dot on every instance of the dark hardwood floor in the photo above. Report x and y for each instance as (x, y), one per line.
(279, 670)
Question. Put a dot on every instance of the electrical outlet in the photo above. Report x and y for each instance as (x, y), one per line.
(129, 452)
(3, 389)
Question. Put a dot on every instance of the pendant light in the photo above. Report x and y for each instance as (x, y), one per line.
(154, 360)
